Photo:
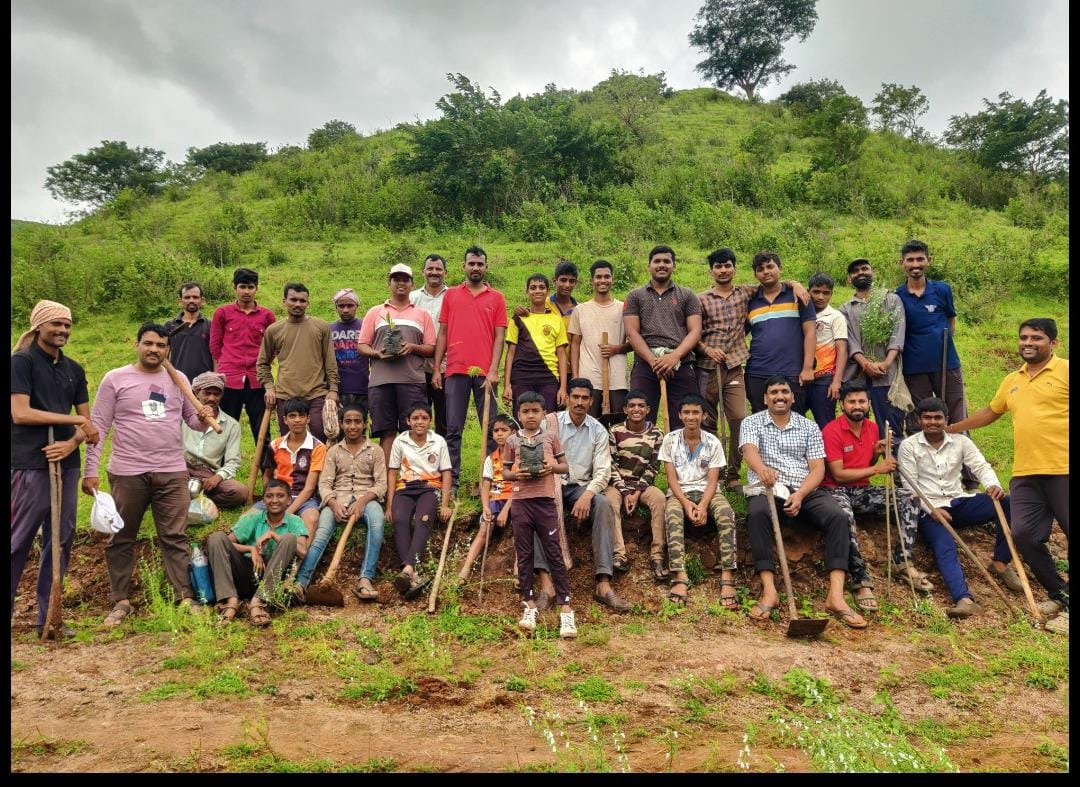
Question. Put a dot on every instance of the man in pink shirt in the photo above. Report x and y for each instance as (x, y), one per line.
(144, 408)
(236, 334)
(473, 320)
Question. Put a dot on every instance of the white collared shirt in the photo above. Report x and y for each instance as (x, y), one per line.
(936, 471)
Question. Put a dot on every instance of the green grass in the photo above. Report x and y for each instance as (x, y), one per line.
(595, 689)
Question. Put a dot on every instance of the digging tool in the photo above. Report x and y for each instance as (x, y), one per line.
(324, 592)
(478, 543)
(1019, 562)
(442, 559)
(54, 622)
(959, 541)
(944, 361)
(797, 627)
(483, 560)
(253, 476)
(890, 499)
(888, 520)
(663, 406)
(607, 418)
(721, 416)
(484, 424)
(185, 389)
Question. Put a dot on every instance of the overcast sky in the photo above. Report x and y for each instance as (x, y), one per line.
(171, 74)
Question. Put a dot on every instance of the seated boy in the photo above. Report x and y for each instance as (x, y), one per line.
(635, 460)
(533, 493)
(263, 543)
(933, 461)
(692, 459)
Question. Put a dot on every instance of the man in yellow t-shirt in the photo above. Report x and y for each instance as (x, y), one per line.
(536, 352)
(1038, 397)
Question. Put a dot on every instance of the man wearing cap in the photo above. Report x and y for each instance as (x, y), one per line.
(144, 409)
(430, 298)
(189, 334)
(214, 458)
(345, 336)
(307, 367)
(396, 336)
(45, 386)
(472, 329)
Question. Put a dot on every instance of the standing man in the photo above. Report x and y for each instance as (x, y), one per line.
(928, 344)
(784, 450)
(430, 298)
(214, 458)
(663, 326)
(471, 333)
(562, 300)
(404, 336)
(1038, 397)
(145, 408)
(345, 336)
(45, 386)
(830, 351)
(877, 375)
(782, 335)
(236, 333)
(189, 334)
(589, 322)
(307, 367)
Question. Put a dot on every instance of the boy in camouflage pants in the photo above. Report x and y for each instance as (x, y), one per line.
(693, 460)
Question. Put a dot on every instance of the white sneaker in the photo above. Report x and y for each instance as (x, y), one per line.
(567, 629)
(528, 618)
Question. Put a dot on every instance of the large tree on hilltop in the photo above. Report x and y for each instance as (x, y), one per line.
(101, 173)
(743, 40)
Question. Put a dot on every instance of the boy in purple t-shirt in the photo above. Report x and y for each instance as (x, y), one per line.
(345, 337)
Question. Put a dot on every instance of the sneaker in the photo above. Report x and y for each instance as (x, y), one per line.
(528, 618)
(964, 608)
(1007, 577)
(567, 628)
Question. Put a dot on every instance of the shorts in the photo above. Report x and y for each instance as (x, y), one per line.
(310, 503)
(390, 404)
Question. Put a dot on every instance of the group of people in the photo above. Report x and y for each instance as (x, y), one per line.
(579, 445)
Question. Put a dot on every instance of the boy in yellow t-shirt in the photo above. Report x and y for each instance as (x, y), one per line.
(536, 354)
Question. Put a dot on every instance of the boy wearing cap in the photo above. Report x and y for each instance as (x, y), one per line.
(345, 337)
(396, 336)
(45, 385)
(214, 458)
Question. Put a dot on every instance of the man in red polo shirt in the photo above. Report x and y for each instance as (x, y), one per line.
(236, 334)
(851, 448)
(473, 326)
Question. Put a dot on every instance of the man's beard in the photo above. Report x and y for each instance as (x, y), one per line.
(863, 282)
(856, 416)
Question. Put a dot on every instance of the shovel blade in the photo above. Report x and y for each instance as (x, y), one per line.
(324, 594)
(807, 627)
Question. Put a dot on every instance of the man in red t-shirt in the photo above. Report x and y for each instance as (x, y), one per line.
(851, 446)
(473, 326)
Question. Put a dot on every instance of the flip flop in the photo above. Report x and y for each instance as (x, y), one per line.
(366, 592)
(849, 617)
(866, 603)
(120, 611)
(417, 586)
(659, 570)
(761, 612)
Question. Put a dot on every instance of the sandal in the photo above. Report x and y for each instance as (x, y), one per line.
(848, 617)
(403, 583)
(867, 603)
(227, 611)
(659, 570)
(117, 615)
(729, 600)
(258, 615)
(679, 599)
(621, 565)
(366, 591)
(417, 586)
(762, 612)
(918, 578)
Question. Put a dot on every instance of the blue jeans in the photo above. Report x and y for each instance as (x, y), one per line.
(964, 511)
(373, 515)
(817, 399)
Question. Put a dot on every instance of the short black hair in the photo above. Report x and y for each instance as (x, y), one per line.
(565, 268)
(635, 394)
(354, 407)
(418, 406)
(277, 483)
(777, 379)
(723, 254)
(506, 420)
(580, 382)
(765, 256)
(661, 250)
(295, 286)
(298, 404)
(438, 257)
(152, 327)
(479, 252)
(601, 264)
(914, 245)
(537, 277)
(932, 404)
(245, 276)
(850, 387)
(851, 266)
(693, 399)
(820, 279)
(1042, 325)
(188, 285)
(529, 397)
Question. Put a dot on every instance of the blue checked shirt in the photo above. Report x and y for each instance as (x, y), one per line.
(787, 450)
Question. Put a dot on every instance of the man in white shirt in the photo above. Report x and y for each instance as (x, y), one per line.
(430, 298)
(933, 460)
(589, 321)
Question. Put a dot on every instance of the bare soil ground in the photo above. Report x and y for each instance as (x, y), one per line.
(659, 689)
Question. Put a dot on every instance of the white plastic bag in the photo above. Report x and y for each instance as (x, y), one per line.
(104, 517)
(201, 511)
